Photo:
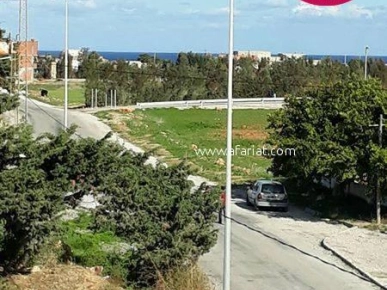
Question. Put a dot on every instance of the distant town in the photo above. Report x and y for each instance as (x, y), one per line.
(30, 58)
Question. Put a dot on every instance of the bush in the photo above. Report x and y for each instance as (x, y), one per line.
(155, 211)
(8, 103)
(150, 209)
(34, 174)
(28, 198)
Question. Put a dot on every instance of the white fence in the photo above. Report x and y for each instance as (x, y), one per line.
(238, 103)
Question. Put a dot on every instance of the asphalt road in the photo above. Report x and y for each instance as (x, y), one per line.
(47, 119)
(265, 255)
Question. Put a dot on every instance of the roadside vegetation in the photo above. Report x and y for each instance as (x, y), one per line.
(134, 237)
(330, 128)
(180, 134)
(150, 230)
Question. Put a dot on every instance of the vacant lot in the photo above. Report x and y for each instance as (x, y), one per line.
(76, 94)
(177, 133)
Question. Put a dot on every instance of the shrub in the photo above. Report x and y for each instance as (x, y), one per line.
(8, 103)
(155, 211)
(28, 198)
(34, 174)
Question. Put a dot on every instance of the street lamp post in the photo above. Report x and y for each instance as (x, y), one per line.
(66, 65)
(366, 62)
(26, 62)
(227, 233)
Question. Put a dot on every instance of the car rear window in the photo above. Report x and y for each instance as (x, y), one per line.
(273, 188)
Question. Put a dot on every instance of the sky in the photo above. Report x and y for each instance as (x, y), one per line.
(279, 26)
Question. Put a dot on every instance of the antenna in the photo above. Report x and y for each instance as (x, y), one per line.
(24, 63)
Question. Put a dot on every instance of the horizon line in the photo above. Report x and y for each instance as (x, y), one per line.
(207, 52)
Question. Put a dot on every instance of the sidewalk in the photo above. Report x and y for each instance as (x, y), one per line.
(364, 249)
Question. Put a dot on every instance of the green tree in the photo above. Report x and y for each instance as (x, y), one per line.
(377, 69)
(44, 67)
(196, 76)
(82, 58)
(146, 58)
(62, 64)
(90, 68)
(329, 128)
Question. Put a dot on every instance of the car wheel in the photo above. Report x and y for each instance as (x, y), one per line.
(247, 200)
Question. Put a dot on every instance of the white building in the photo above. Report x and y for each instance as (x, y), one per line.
(275, 59)
(293, 55)
(135, 63)
(257, 55)
(74, 53)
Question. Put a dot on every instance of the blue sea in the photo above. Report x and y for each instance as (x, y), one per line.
(173, 56)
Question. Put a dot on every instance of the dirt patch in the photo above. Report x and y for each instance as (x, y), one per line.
(118, 123)
(127, 110)
(62, 277)
(245, 134)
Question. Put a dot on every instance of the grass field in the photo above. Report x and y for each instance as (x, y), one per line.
(56, 93)
(177, 133)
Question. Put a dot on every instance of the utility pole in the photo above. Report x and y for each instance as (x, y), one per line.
(26, 60)
(227, 229)
(66, 64)
(18, 41)
(378, 186)
(378, 195)
(12, 64)
(12, 73)
(23, 60)
(17, 75)
(10, 80)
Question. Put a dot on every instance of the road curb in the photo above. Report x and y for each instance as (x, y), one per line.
(328, 247)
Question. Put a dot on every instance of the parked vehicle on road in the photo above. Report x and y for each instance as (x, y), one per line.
(267, 193)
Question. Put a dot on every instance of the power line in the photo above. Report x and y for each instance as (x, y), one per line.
(52, 117)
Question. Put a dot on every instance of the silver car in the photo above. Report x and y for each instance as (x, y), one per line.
(267, 193)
